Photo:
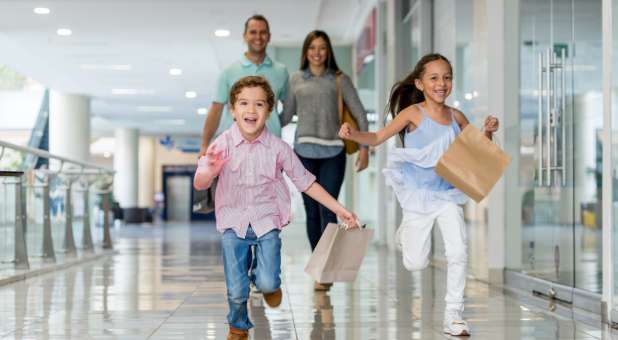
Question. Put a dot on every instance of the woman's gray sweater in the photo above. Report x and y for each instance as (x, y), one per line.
(314, 100)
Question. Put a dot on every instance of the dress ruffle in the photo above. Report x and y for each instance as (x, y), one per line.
(410, 195)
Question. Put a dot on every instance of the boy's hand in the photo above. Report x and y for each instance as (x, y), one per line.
(346, 131)
(203, 150)
(491, 124)
(215, 160)
(348, 218)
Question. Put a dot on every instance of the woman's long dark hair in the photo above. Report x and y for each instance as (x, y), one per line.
(405, 93)
(331, 64)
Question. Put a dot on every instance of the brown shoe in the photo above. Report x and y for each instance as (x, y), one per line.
(237, 334)
(321, 287)
(273, 299)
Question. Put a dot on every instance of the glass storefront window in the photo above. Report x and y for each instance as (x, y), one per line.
(614, 161)
(20, 101)
(360, 187)
(561, 121)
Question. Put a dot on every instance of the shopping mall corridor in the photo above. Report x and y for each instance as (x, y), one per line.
(166, 282)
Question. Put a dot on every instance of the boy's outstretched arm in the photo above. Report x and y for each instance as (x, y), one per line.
(317, 192)
(209, 167)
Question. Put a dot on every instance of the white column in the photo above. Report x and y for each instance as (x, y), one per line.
(426, 23)
(503, 101)
(444, 28)
(69, 126)
(380, 100)
(146, 171)
(609, 262)
(126, 166)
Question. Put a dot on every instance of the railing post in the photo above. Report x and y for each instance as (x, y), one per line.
(87, 244)
(69, 240)
(48, 242)
(107, 238)
(21, 251)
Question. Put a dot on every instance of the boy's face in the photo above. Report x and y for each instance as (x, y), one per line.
(251, 112)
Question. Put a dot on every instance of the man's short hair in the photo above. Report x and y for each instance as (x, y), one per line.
(257, 17)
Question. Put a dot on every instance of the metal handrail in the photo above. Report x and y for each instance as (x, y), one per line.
(45, 154)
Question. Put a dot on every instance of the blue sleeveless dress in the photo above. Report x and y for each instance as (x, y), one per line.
(410, 170)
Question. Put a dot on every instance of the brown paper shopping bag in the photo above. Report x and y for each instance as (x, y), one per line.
(339, 254)
(473, 163)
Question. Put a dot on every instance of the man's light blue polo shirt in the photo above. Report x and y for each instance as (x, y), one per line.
(277, 75)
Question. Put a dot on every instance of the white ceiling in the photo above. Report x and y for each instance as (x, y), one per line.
(153, 36)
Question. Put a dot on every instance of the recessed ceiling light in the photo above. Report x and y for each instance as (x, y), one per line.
(42, 10)
(119, 67)
(154, 108)
(170, 121)
(222, 33)
(65, 32)
(124, 91)
(132, 92)
(190, 94)
(202, 111)
(175, 71)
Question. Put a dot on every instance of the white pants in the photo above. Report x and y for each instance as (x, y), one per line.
(414, 238)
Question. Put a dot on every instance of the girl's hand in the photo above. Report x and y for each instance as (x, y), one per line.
(348, 218)
(491, 124)
(362, 160)
(215, 159)
(346, 131)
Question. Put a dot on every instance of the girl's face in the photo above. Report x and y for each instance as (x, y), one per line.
(317, 52)
(251, 112)
(436, 81)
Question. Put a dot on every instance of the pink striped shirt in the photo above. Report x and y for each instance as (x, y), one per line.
(251, 188)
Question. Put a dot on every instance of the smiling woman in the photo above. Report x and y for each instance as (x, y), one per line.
(314, 95)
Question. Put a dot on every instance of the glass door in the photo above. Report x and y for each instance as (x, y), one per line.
(614, 161)
(560, 143)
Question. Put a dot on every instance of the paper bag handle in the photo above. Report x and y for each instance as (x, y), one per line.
(494, 138)
(346, 227)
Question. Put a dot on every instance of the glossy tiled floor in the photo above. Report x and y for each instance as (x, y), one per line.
(166, 282)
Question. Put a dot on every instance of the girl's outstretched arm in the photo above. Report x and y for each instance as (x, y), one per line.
(401, 121)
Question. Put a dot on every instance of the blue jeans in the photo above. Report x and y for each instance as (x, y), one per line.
(237, 260)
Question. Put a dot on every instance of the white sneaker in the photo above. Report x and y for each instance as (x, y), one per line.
(454, 324)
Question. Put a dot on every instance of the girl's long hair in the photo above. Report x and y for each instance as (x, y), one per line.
(331, 63)
(405, 93)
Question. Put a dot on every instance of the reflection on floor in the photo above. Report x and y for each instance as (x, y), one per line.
(167, 283)
(551, 251)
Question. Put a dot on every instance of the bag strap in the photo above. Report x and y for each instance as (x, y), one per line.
(495, 139)
(339, 96)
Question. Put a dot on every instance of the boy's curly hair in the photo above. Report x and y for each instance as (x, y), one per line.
(252, 81)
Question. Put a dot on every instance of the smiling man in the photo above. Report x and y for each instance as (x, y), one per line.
(254, 62)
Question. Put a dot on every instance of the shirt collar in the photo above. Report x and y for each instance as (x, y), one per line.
(328, 73)
(246, 62)
(238, 139)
